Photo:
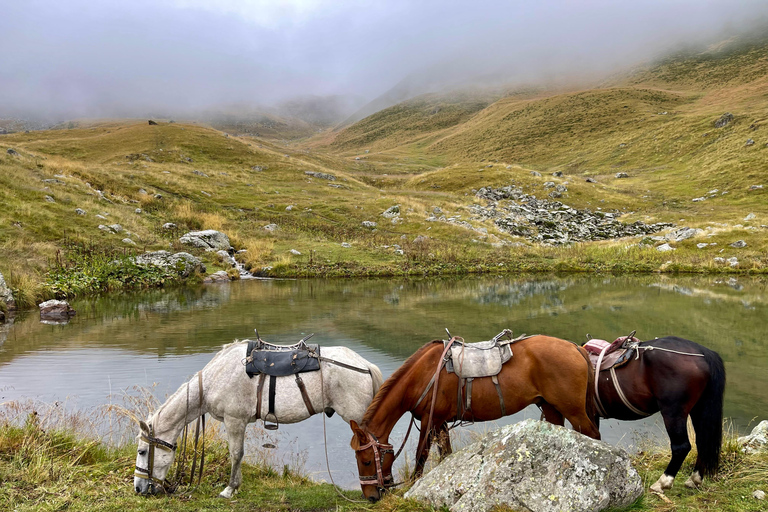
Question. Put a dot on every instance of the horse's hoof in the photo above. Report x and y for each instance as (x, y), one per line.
(664, 482)
(226, 493)
(694, 481)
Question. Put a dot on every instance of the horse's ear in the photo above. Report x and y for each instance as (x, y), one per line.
(359, 433)
(143, 426)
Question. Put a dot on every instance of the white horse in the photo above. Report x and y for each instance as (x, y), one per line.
(349, 383)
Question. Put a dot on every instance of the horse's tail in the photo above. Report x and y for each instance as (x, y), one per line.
(707, 416)
(376, 377)
(590, 404)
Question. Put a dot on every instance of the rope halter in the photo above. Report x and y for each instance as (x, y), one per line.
(379, 449)
(146, 473)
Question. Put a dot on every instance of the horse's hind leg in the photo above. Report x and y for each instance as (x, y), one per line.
(444, 447)
(675, 421)
(550, 414)
(236, 438)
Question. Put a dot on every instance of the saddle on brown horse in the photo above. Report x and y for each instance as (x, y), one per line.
(470, 361)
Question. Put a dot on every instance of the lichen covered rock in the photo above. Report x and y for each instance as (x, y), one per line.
(534, 466)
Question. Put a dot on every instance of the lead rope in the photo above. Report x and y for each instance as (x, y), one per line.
(325, 443)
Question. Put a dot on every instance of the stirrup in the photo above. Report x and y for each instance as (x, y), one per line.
(271, 426)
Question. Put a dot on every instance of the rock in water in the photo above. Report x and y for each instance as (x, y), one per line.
(56, 311)
(6, 295)
(532, 465)
(182, 262)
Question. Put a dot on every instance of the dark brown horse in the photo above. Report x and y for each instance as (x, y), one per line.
(678, 378)
(543, 370)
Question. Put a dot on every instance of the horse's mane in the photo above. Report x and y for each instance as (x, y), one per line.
(384, 389)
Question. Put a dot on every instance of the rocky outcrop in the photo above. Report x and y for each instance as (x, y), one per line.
(724, 120)
(552, 222)
(210, 240)
(6, 296)
(757, 441)
(533, 466)
(182, 262)
(56, 311)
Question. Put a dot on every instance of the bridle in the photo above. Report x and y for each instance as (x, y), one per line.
(379, 449)
(146, 473)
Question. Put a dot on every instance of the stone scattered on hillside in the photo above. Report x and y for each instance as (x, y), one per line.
(757, 441)
(138, 211)
(152, 123)
(665, 248)
(701, 245)
(561, 188)
(12, 152)
(724, 120)
(114, 228)
(590, 180)
(557, 174)
(50, 199)
(57, 311)
(369, 224)
(295, 252)
(750, 217)
(750, 142)
(680, 234)
(142, 192)
(346, 245)
(755, 187)
(552, 222)
(698, 199)
(158, 196)
(271, 227)
(6, 295)
(535, 466)
(169, 225)
(759, 494)
(183, 262)
(80, 211)
(733, 262)
(536, 174)
(128, 241)
(718, 259)
(391, 212)
(321, 175)
(622, 175)
(209, 239)
(549, 184)
(200, 173)
(738, 244)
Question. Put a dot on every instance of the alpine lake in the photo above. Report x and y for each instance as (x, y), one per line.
(158, 339)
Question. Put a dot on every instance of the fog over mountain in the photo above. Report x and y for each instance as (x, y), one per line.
(81, 58)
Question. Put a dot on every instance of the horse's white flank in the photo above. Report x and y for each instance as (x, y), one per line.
(230, 396)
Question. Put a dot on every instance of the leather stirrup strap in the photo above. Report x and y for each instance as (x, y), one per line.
(272, 382)
(259, 389)
(600, 409)
(304, 396)
(495, 380)
(469, 394)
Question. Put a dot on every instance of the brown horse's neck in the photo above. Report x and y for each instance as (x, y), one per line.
(401, 391)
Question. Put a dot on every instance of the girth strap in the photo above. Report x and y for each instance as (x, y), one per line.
(623, 396)
(272, 382)
(469, 394)
(304, 396)
(259, 389)
(495, 380)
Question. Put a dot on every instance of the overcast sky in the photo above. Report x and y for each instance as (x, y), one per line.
(123, 57)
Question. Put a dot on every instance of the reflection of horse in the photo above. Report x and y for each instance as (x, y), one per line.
(346, 383)
(678, 378)
(551, 372)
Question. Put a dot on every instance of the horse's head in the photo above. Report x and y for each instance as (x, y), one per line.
(374, 462)
(153, 460)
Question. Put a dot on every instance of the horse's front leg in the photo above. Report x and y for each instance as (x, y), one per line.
(425, 442)
(236, 438)
(444, 441)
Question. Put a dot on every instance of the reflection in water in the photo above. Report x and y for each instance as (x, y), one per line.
(165, 336)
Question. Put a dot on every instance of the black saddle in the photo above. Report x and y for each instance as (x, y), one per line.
(281, 360)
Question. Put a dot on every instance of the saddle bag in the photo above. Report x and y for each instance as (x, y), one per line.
(281, 360)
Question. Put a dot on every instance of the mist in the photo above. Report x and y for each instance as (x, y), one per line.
(77, 58)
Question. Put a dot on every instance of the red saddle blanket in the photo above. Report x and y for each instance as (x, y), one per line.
(613, 351)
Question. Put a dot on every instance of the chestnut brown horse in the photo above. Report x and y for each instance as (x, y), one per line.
(678, 378)
(542, 370)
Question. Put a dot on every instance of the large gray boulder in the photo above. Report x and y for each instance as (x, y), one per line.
(183, 262)
(757, 441)
(209, 239)
(6, 296)
(535, 466)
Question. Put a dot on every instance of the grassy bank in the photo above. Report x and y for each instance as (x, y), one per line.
(57, 468)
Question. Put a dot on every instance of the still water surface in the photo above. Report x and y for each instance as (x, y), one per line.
(163, 337)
